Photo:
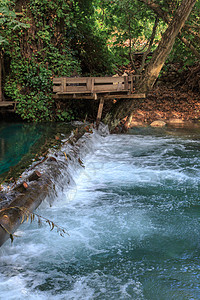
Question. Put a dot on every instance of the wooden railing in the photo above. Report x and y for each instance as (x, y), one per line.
(94, 85)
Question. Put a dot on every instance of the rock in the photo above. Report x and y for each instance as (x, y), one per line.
(158, 124)
(175, 121)
(136, 124)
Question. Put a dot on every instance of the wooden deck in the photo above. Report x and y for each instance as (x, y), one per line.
(120, 87)
(96, 87)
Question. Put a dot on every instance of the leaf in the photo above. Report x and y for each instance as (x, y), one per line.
(52, 224)
(66, 156)
(22, 218)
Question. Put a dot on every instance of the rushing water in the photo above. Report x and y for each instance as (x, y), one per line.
(134, 222)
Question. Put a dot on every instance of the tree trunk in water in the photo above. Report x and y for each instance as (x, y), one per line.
(153, 69)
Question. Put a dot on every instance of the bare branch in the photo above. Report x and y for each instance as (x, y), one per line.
(150, 45)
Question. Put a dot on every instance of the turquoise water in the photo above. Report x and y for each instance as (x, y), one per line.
(15, 141)
(20, 139)
(133, 216)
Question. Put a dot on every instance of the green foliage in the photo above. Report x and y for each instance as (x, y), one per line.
(8, 22)
(180, 53)
(32, 90)
(38, 51)
(88, 40)
(128, 25)
(52, 38)
(65, 38)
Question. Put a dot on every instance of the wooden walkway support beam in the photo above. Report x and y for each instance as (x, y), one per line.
(121, 87)
(100, 110)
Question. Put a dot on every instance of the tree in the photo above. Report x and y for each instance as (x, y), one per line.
(164, 15)
(156, 63)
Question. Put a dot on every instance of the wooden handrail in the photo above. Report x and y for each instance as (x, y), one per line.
(83, 85)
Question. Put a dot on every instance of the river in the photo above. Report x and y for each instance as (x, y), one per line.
(20, 142)
(133, 218)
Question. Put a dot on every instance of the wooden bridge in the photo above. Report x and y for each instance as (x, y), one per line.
(96, 88)
(120, 87)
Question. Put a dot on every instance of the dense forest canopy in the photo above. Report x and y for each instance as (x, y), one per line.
(40, 39)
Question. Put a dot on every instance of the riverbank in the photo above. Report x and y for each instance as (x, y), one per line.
(168, 105)
(175, 98)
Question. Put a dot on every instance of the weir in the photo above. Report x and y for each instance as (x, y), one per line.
(132, 215)
(38, 182)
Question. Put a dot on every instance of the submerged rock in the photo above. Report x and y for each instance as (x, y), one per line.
(175, 121)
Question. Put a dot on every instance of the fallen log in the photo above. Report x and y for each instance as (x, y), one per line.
(26, 196)
(11, 216)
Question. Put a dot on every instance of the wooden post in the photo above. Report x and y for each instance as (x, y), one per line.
(131, 89)
(99, 114)
(64, 84)
(126, 82)
(90, 84)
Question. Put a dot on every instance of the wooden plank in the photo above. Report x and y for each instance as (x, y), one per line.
(57, 80)
(99, 114)
(83, 90)
(109, 88)
(76, 89)
(96, 96)
(63, 86)
(6, 103)
(131, 96)
(131, 86)
(110, 80)
(56, 89)
(96, 79)
(76, 80)
(75, 97)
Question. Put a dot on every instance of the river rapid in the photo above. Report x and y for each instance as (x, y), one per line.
(133, 218)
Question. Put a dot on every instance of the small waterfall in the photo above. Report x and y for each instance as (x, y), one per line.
(132, 214)
(52, 173)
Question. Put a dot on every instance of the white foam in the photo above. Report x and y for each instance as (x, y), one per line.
(106, 221)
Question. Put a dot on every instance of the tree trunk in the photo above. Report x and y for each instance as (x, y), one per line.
(165, 17)
(165, 46)
(153, 69)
